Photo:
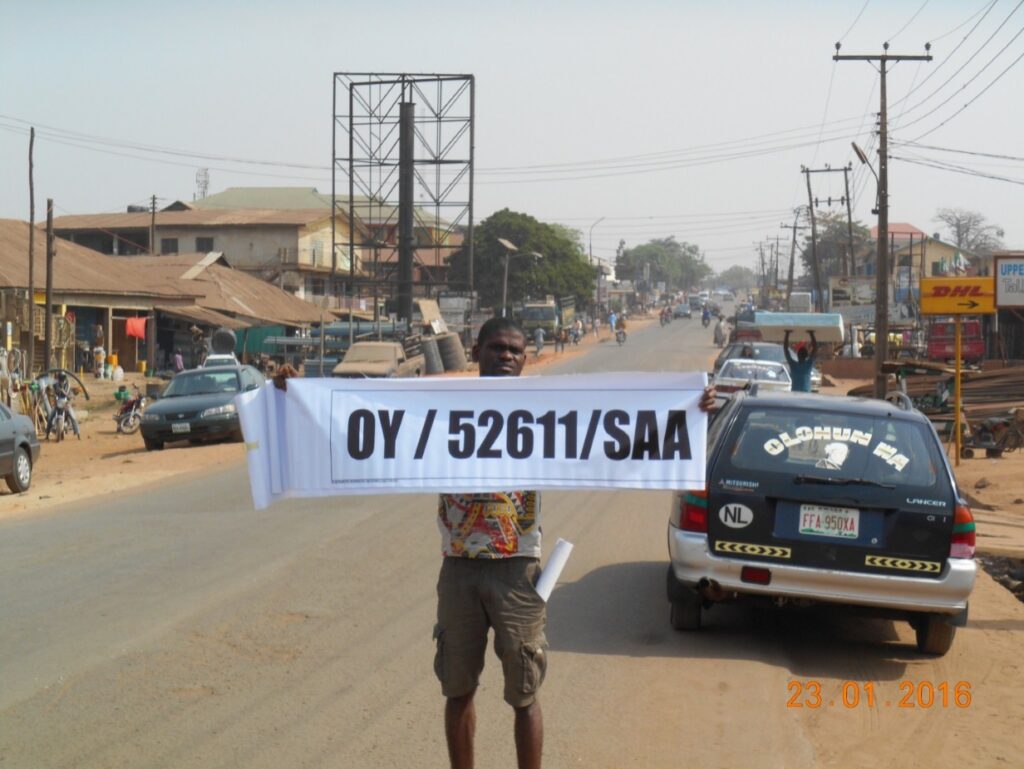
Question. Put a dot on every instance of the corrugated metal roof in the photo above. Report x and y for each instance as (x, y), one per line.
(230, 291)
(76, 269)
(203, 315)
(242, 217)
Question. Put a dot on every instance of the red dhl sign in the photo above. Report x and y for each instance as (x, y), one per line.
(958, 296)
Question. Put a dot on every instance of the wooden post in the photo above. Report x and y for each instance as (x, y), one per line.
(47, 331)
(957, 423)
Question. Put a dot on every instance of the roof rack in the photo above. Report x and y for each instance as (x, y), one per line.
(900, 399)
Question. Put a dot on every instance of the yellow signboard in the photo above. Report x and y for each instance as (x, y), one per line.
(958, 296)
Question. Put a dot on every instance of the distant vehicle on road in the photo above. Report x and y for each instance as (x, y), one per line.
(738, 373)
(821, 499)
(769, 351)
(220, 359)
(379, 360)
(682, 310)
(942, 341)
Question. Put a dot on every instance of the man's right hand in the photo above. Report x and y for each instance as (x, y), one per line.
(286, 372)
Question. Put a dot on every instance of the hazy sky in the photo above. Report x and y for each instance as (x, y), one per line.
(724, 101)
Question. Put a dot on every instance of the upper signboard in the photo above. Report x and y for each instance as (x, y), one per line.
(1009, 281)
(958, 296)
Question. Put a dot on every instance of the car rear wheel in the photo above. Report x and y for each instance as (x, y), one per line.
(685, 603)
(935, 634)
(21, 474)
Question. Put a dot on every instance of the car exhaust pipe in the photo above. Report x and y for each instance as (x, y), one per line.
(711, 590)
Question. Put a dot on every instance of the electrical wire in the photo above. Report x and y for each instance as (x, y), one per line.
(901, 29)
(958, 169)
(964, 23)
(935, 70)
(959, 152)
(963, 66)
(968, 104)
(854, 24)
(971, 80)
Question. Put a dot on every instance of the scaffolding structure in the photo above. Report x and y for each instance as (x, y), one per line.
(402, 171)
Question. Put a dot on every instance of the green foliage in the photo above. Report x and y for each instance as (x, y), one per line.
(737, 277)
(678, 264)
(833, 245)
(562, 269)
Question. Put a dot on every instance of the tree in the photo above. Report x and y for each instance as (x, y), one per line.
(737, 277)
(562, 269)
(833, 245)
(969, 231)
(679, 265)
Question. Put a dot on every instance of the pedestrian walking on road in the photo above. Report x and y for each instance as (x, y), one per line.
(538, 341)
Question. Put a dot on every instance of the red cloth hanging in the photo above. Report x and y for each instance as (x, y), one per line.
(136, 327)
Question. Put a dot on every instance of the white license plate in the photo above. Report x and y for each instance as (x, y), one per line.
(180, 427)
(825, 521)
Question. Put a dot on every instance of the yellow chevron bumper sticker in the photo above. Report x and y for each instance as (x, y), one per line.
(905, 564)
(745, 548)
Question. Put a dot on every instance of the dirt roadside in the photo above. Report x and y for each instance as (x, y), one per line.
(105, 462)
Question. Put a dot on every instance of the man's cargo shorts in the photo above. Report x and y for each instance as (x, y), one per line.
(474, 594)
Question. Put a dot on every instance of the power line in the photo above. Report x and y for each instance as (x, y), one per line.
(958, 170)
(959, 152)
(976, 97)
(854, 24)
(911, 21)
(964, 23)
(963, 66)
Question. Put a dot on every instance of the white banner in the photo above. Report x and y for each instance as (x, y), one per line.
(327, 437)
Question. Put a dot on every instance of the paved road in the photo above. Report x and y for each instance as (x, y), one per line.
(178, 628)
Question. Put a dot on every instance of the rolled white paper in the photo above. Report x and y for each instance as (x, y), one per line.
(549, 576)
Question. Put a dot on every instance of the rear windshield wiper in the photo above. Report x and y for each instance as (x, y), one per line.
(841, 481)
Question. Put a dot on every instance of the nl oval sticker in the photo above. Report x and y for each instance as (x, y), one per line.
(736, 516)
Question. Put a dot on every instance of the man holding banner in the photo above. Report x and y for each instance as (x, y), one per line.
(491, 540)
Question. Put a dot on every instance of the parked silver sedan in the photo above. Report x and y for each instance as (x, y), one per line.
(19, 449)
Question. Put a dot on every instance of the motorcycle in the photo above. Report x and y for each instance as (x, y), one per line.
(620, 337)
(129, 416)
(705, 321)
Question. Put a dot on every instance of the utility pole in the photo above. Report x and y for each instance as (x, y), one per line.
(775, 260)
(47, 336)
(850, 268)
(152, 226)
(882, 265)
(792, 253)
(812, 203)
(816, 268)
(31, 362)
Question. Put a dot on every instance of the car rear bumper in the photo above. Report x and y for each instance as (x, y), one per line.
(692, 562)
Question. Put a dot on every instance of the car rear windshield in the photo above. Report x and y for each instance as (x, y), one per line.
(833, 445)
(755, 371)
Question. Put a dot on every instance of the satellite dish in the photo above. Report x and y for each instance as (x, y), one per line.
(223, 341)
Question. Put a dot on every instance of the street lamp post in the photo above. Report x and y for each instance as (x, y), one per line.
(509, 250)
(590, 238)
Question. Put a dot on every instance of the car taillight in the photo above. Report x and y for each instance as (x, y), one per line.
(961, 544)
(692, 514)
(756, 575)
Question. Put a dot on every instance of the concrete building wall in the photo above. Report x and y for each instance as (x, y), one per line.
(244, 247)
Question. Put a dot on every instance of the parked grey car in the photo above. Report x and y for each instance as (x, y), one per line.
(19, 449)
